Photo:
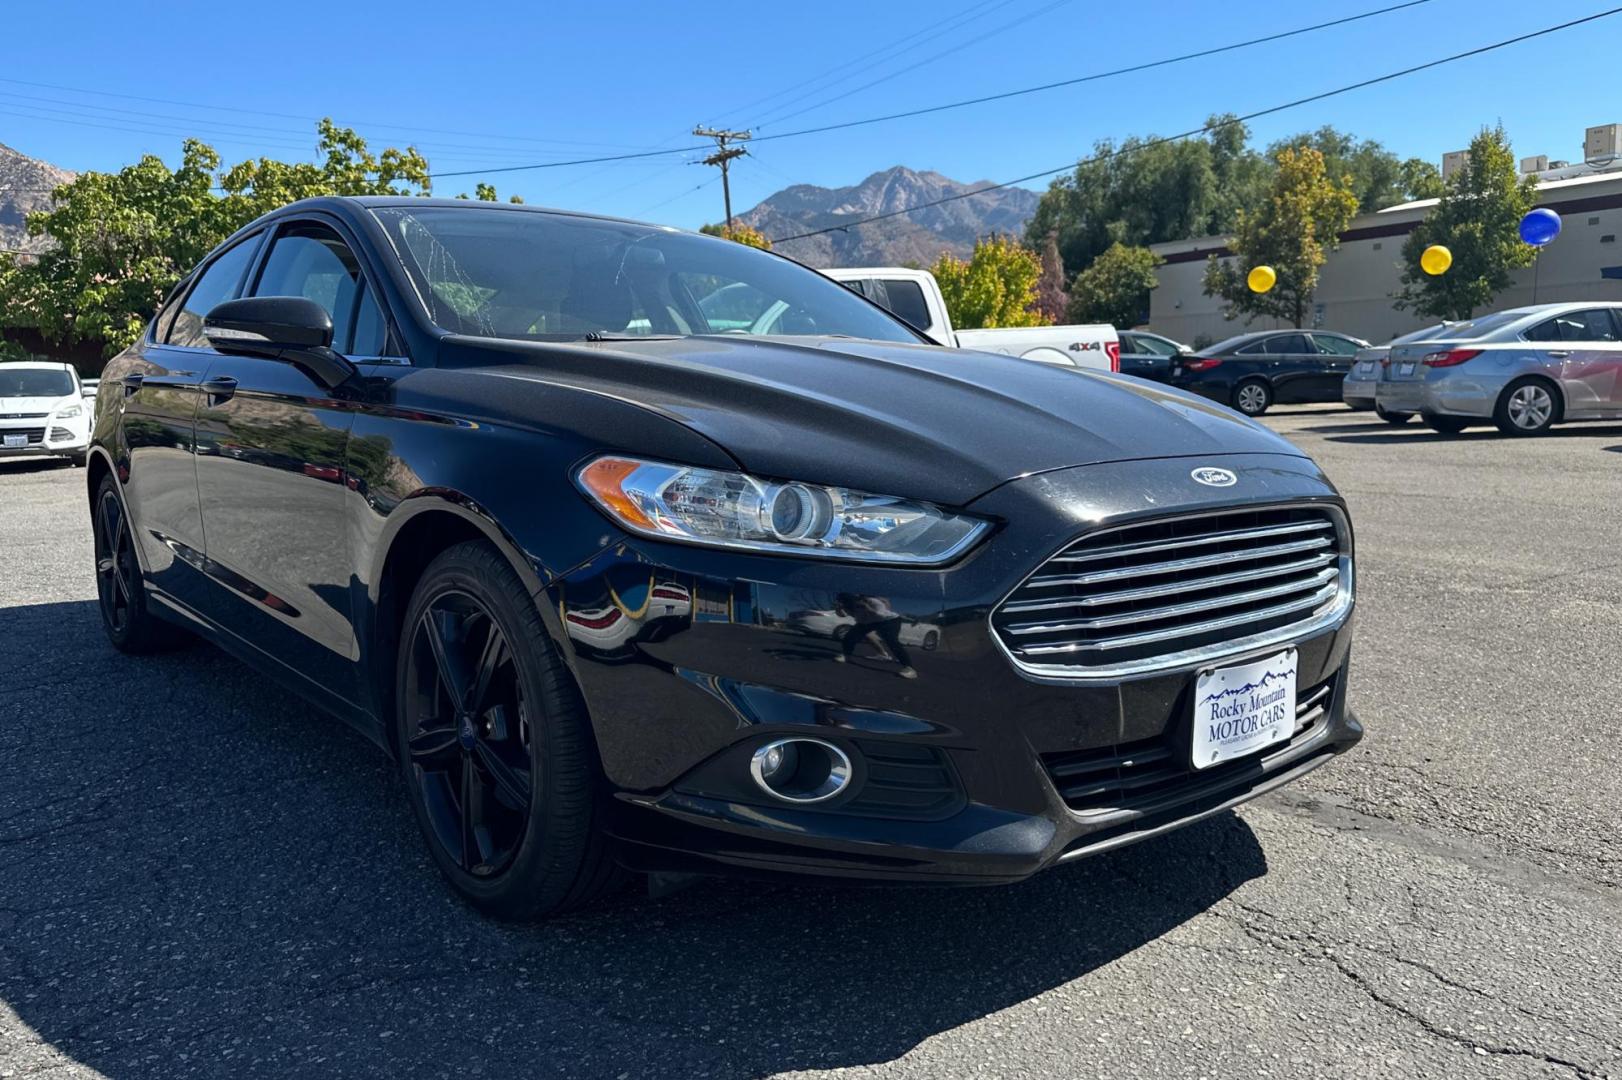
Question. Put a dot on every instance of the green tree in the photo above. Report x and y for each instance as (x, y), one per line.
(1478, 220)
(1144, 191)
(1115, 288)
(995, 287)
(122, 240)
(1293, 231)
(743, 234)
(487, 193)
(1377, 176)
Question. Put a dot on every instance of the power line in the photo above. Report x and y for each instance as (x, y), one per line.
(1095, 76)
(1160, 141)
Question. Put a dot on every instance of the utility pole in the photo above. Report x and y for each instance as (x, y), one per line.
(723, 154)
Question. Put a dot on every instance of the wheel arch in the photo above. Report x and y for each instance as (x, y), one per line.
(1553, 385)
(420, 529)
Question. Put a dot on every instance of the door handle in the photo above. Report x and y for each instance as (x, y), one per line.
(219, 389)
(1558, 354)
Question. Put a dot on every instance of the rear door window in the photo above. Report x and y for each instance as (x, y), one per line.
(906, 299)
(1288, 344)
(219, 282)
(1331, 345)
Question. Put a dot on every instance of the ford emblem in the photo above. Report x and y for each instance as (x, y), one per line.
(1214, 477)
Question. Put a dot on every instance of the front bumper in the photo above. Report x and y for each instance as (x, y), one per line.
(689, 658)
(45, 435)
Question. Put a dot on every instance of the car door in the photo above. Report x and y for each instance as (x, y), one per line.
(1335, 355)
(1295, 366)
(1583, 351)
(271, 469)
(1147, 356)
(157, 393)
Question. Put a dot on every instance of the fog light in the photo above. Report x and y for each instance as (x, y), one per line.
(800, 770)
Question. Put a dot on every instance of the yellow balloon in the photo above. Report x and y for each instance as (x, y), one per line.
(1261, 278)
(1435, 260)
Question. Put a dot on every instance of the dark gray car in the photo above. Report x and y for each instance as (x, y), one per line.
(1253, 371)
(1149, 356)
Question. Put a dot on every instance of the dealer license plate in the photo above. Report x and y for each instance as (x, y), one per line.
(1405, 370)
(14, 442)
(1239, 710)
(1366, 367)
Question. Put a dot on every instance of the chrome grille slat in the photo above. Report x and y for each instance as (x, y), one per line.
(1148, 637)
(1176, 566)
(1178, 591)
(1172, 611)
(1121, 550)
(1150, 592)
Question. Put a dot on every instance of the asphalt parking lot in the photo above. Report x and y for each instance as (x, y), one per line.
(201, 876)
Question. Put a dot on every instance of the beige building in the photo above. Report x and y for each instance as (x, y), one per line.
(1360, 278)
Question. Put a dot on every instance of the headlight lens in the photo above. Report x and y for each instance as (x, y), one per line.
(734, 510)
(70, 412)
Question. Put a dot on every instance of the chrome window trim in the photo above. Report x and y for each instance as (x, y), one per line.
(1330, 615)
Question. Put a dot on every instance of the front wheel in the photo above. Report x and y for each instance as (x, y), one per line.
(495, 744)
(1252, 397)
(1526, 407)
(1392, 417)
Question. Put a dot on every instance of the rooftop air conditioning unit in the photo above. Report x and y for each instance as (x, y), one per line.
(1602, 142)
(1536, 164)
(1453, 161)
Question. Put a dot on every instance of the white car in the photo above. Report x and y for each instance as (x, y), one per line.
(915, 296)
(43, 411)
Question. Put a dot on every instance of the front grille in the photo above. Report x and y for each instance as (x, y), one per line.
(35, 435)
(1177, 591)
(24, 416)
(1141, 775)
(60, 433)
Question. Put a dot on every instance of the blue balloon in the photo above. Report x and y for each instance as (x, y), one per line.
(1540, 226)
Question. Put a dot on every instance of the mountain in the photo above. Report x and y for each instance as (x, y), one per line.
(911, 238)
(25, 185)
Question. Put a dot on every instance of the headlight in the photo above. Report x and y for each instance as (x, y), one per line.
(732, 510)
(70, 412)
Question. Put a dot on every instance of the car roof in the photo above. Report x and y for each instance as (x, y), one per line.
(37, 365)
(403, 202)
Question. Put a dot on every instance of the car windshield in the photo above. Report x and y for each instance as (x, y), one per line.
(539, 276)
(35, 382)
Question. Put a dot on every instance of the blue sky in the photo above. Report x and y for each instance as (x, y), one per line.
(516, 83)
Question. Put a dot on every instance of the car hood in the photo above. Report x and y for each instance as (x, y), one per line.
(11, 405)
(920, 421)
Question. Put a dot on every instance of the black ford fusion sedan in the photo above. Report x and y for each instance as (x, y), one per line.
(642, 550)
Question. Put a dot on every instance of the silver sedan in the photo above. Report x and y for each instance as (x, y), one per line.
(1525, 370)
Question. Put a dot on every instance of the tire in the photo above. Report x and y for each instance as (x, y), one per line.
(126, 617)
(1252, 396)
(1444, 425)
(1528, 406)
(518, 749)
(1389, 417)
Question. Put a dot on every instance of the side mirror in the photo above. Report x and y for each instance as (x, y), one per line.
(293, 329)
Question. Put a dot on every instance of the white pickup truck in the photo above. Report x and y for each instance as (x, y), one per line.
(914, 295)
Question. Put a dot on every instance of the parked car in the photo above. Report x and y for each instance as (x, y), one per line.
(1252, 372)
(42, 411)
(88, 387)
(1369, 367)
(1149, 356)
(915, 296)
(1525, 369)
(564, 572)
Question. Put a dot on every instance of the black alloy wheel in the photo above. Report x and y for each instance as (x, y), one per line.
(129, 625)
(496, 745)
(470, 744)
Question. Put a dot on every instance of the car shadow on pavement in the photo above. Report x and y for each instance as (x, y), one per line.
(200, 875)
(20, 466)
